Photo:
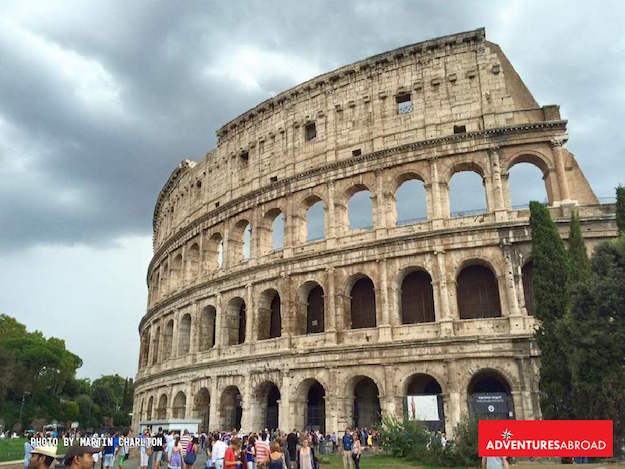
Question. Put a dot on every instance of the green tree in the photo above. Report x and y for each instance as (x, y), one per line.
(550, 288)
(620, 208)
(579, 265)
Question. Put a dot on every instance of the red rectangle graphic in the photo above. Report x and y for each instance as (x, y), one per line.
(545, 438)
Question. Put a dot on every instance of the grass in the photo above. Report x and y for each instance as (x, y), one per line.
(368, 462)
(12, 449)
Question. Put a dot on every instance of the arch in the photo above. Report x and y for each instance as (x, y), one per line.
(148, 415)
(168, 339)
(315, 219)
(477, 291)
(362, 308)
(424, 400)
(526, 181)
(528, 288)
(201, 409)
(231, 408)
(161, 409)
(364, 407)
(180, 405)
(192, 262)
(267, 395)
(208, 321)
(214, 251)
(176, 272)
(154, 285)
(417, 297)
(155, 343)
(489, 395)
(310, 405)
(466, 183)
(310, 308)
(184, 335)
(410, 199)
(359, 208)
(269, 315)
(240, 241)
(145, 347)
(236, 319)
(165, 278)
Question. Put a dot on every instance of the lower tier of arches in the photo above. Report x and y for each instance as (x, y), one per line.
(437, 384)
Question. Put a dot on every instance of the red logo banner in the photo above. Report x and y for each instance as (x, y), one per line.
(547, 438)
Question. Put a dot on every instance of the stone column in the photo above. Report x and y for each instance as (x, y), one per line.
(290, 228)
(250, 312)
(330, 221)
(219, 323)
(380, 222)
(330, 308)
(445, 316)
(389, 398)
(559, 155)
(213, 422)
(285, 421)
(286, 313)
(385, 331)
(247, 405)
(437, 204)
(499, 205)
(517, 323)
(195, 330)
(188, 411)
(453, 407)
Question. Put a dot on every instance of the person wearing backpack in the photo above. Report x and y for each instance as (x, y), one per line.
(191, 452)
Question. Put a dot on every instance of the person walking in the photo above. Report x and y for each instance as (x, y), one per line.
(219, 452)
(356, 452)
(42, 456)
(250, 453)
(345, 449)
(231, 458)
(191, 453)
(276, 458)
(306, 458)
(175, 460)
(494, 462)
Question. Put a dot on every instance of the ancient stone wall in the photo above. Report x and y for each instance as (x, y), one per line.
(333, 331)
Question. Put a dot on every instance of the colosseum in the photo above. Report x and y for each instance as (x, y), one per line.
(271, 305)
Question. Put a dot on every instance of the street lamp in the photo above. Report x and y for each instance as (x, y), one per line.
(22, 407)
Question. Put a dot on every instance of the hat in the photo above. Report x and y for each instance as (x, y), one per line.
(46, 450)
(74, 451)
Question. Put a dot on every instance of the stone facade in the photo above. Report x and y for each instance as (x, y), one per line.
(334, 331)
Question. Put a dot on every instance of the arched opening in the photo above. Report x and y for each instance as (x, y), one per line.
(247, 242)
(148, 415)
(176, 272)
(315, 221)
(165, 278)
(155, 343)
(231, 408)
(235, 321)
(269, 316)
(161, 409)
(315, 311)
(154, 286)
(207, 328)
(478, 293)
(184, 336)
(271, 231)
(424, 401)
(366, 410)
(193, 262)
(526, 182)
(239, 247)
(265, 411)
(145, 347)
(528, 288)
(467, 195)
(362, 304)
(411, 202)
(417, 298)
(490, 397)
(180, 405)
(360, 210)
(201, 409)
(213, 251)
(168, 339)
(277, 233)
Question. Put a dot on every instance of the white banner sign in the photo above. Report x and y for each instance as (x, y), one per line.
(423, 408)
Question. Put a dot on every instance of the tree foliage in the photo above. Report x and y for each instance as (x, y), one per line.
(620, 208)
(39, 378)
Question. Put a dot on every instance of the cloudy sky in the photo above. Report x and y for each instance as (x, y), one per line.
(100, 100)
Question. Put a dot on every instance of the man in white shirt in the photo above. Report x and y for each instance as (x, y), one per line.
(219, 452)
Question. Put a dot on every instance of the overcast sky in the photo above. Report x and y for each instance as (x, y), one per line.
(99, 101)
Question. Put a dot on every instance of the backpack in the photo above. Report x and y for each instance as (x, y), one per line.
(190, 457)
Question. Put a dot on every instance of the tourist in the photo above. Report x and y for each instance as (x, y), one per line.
(231, 458)
(345, 449)
(291, 442)
(185, 440)
(157, 449)
(306, 455)
(42, 457)
(80, 457)
(335, 442)
(123, 452)
(494, 462)
(144, 453)
(175, 460)
(28, 449)
(219, 452)
(108, 456)
(285, 450)
(262, 452)
(356, 452)
(190, 455)
(276, 458)
(250, 453)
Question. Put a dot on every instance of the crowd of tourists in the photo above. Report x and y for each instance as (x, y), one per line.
(257, 450)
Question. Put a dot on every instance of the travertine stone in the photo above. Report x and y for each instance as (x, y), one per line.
(362, 142)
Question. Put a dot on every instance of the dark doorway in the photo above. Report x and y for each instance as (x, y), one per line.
(316, 408)
(271, 414)
(315, 311)
(363, 304)
(490, 397)
(366, 403)
(275, 327)
(478, 293)
(417, 298)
